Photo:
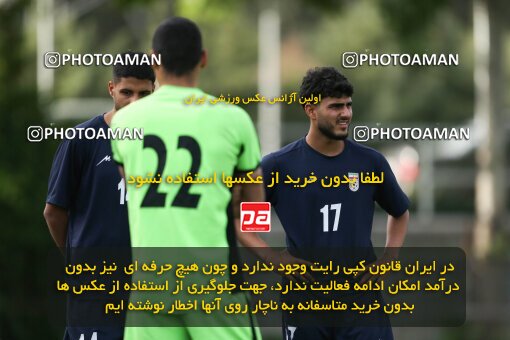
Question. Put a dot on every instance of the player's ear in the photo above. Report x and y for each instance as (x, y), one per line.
(311, 111)
(203, 58)
(110, 88)
(155, 67)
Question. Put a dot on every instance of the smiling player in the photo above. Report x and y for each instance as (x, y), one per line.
(333, 217)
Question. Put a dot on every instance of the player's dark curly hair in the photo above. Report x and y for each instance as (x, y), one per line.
(179, 42)
(325, 81)
(139, 71)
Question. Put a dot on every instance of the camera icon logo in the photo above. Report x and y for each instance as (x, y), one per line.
(52, 60)
(350, 60)
(35, 133)
(361, 133)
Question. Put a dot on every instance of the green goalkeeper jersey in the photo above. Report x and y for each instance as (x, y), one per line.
(190, 149)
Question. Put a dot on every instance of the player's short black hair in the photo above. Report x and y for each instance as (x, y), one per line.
(138, 70)
(326, 82)
(179, 42)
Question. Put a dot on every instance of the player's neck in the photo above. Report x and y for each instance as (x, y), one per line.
(324, 145)
(188, 80)
(108, 116)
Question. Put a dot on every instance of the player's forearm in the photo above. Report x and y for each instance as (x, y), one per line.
(255, 243)
(251, 192)
(248, 192)
(56, 219)
(121, 172)
(396, 231)
(263, 251)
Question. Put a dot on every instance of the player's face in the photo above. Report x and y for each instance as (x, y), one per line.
(334, 116)
(128, 90)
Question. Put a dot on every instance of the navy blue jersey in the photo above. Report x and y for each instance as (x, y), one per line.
(324, 202)
(85, 180)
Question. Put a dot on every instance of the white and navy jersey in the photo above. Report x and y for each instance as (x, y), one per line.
(327, 201)
(85, 180)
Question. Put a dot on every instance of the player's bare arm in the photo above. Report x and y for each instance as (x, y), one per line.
(255, 193)
(121, 171)
(249, 193)
(396, 229)
(56, 219)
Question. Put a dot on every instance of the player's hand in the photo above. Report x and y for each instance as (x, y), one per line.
(374, 275)
(285, 258)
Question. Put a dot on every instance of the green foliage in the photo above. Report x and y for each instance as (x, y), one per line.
(124, 4)
(475, 331)
(394, 93)
(410, 19)
(23, 180)
(324, 5)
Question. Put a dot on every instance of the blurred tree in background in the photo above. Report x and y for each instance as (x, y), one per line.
(23, 183)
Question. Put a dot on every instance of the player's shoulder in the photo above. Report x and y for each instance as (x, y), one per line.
(229, 111)
(81, 146)
(94, 122)
(359, 149)
(286, 151)
(215, 103)
(133, 110)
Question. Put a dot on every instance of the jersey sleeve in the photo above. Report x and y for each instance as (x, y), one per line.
(388, 194)
(249, 152)
(64, 175)
(269, 168)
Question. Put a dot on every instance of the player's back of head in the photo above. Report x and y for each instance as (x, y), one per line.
(179, 42)
(137, 69)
